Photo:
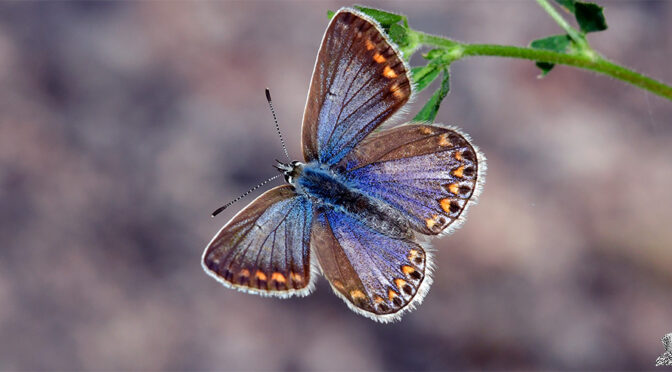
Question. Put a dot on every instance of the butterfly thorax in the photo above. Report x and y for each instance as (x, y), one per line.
(328, 188)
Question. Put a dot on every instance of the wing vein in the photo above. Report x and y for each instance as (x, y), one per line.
(336, 74)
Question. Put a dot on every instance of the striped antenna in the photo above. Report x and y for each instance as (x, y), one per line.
(275, 119)
(220, 209)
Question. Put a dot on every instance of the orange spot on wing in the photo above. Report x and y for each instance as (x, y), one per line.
(391, 294)
(338, 284)
(369, 45)
(430, 222)
(425, 130)
(458, 156)
(453, 188)
(297, 278)
(356, 294)
(445, 204)
(394, 88)
(412, 254)
(459, 172)
(260, 275)
(244, 272)
(278, 277)
(379, 58)
(407, 270)
(443, 140)
(389, 73)
(399, 283)
(377, 299)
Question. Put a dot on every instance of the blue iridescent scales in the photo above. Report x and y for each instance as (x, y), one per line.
(363, 206)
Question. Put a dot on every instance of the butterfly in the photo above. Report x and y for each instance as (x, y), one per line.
(363, 205)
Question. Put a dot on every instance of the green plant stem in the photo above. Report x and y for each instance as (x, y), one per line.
(573, 34)
(592, 62)
(434, 40)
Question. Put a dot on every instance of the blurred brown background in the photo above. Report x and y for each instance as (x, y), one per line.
(124, 124)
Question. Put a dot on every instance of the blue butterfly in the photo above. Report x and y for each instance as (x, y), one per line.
(362, 207)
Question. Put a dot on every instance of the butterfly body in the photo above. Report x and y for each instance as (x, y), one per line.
(363, 205)
(330, 190)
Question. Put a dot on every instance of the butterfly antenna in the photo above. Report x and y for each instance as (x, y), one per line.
(220, 209)
(277, 127)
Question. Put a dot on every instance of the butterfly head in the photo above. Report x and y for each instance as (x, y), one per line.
(290, 171)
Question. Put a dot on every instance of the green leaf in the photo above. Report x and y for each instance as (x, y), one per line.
(431, 108)
(385, 19)
(330, 14)
(399, 35)
(555, 43)
(545, 67)
(424, 75)
(590, 17)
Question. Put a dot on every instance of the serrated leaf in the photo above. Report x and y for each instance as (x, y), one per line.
(431, 108)
(555, 43)
(386, 19)
(424, 75)
(590, 17)
(399, 35)
(330, 14)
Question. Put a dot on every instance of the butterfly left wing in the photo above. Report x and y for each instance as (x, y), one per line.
(265, 248)
(359, 81)
(377, 276)
(430, 172)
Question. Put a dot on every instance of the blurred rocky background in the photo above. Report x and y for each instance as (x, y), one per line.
(124, 124)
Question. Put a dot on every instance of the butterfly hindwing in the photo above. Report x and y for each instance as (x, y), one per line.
(429, 172)
(359, 81)
(377, 276)
(265, 248)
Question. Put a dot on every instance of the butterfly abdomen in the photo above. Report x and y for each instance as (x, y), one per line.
(330, 189)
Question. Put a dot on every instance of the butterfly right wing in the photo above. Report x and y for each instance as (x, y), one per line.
(430, 172)
(265, 248)
(377, 276)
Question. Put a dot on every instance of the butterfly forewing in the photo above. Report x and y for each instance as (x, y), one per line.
(359, 81)
(265, 248)
(429, 172)
(377, 276)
